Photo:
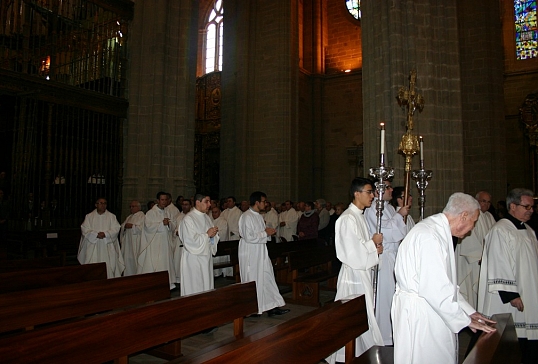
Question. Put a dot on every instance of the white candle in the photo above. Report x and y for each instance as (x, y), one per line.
(382, 138)
(421, 149)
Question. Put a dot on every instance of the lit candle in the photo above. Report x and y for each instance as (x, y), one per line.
(382, 138)
(421, 148)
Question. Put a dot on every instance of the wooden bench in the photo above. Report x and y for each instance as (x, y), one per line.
(318, 264)
(26, 309)
(27, 264)
(103, 338)
(278, 253)
(305, 339)
(50, 277)
(229, 249)
(500, 347)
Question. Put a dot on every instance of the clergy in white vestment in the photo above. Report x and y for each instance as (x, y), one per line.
(254, 262)
(99, 241)
(178, 244)
(232, 215)
(469, 251)
(200, 239)
(271, 217)
(222, 225)
(287, 221)
(509, 272)
(358, 251)
(398, 202)
(427, 310)
(394, 229)
(156, 243)
(131, 232)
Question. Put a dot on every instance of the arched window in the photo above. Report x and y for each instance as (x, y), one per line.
(526, 29)
(213, 39)
(354, 8)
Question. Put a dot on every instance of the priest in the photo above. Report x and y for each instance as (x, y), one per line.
(156, 243)
(200, 239)
(99, 240)
(358, 251)
(427, 309)
(131, 231)
(509, 272)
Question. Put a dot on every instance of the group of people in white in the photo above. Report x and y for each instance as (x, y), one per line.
(426, 291)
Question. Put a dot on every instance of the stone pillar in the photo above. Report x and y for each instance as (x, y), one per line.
(159, 133)
(399, 36)
(259, 99)
(483, 108)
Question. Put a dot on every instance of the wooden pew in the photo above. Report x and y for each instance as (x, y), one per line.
(26, 309)
(229, 248)
(112, 336)
(306, 286)
(50, 277)
(278, 253)
(500, 347)
(305, 339)
(27, 264)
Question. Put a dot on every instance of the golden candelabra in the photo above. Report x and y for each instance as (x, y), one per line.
(409, 144)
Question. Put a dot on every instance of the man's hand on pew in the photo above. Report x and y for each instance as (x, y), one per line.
(479, 322)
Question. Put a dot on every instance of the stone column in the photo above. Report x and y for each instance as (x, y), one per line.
(159, 133)
(399, 36)
(259, 99)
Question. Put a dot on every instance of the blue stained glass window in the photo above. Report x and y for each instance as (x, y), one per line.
(526, 29)
(354, 8)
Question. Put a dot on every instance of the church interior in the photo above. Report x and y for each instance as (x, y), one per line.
(126, 98)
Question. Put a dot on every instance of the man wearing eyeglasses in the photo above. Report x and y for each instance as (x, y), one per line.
(469, 251)
(509, 272)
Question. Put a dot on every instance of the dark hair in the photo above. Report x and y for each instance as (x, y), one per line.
(397, 192)
(357, 184)
(199, 197)
(309, 203)
(159, 194)
(256, 197)
(233, 198)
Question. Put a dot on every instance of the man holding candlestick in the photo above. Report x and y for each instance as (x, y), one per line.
(394, 229)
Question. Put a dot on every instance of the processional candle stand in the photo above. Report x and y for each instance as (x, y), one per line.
(422, 176)
(409, 144)
(381, 174)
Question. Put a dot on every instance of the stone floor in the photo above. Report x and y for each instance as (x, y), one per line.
(200, 341)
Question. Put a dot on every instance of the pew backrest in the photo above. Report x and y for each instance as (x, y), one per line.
(298, 260)
(28, 264)
(499, 347)
(106, 337)
(305, 339)
(50, 277)
(26, 309)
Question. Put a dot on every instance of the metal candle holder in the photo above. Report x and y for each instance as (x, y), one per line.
(381, 174)
(422, 176)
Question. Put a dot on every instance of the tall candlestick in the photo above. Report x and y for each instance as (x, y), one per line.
(421, 149)
(382, 138)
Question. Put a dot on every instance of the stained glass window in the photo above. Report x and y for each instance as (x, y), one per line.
(526, 30)
(213, 38)
(354, 8)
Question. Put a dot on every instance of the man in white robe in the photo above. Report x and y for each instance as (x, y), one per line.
(232, 215)
(99, 241)
(398, 202)
(271, 217)
(156, 243)
(131, 232)
(358, 251)
(394, 229)
(427, 310)
(288, 222)
(222, 225)
(509, 272)
(469, 251)
(254, 262)
(200, 239)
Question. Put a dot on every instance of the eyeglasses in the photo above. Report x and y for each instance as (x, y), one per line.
(370, 192)
(526, 207)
